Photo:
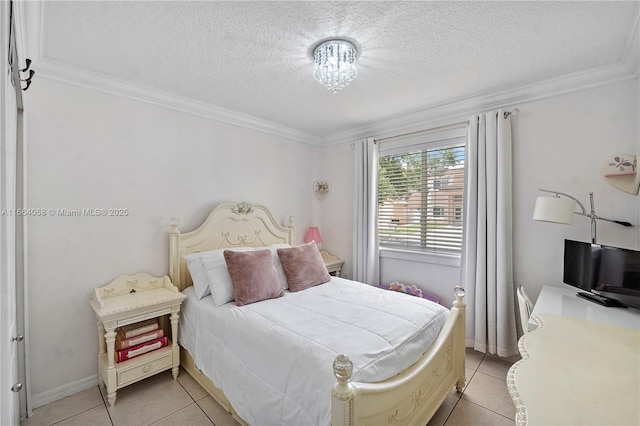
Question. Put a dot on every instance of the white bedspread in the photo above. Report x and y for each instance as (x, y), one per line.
(273, 359)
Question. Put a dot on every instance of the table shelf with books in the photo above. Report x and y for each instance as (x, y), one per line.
(133, 303)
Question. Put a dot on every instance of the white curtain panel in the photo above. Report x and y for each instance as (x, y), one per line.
(487, 271)
(366, 264)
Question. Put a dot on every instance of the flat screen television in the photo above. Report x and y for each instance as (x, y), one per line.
(580, 264)
(613, 273)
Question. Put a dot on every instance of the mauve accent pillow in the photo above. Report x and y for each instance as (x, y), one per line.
(303, 266)
(253, 276)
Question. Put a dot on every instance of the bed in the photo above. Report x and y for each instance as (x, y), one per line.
(234, 362)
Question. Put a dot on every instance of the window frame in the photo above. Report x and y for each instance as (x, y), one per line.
(434, 139)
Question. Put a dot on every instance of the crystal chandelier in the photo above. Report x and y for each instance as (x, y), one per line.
(335, 64)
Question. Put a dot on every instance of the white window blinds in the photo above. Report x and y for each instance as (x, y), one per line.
(420, 193)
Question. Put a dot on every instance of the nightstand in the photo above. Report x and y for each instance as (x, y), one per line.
(333, 264)
(131, 299)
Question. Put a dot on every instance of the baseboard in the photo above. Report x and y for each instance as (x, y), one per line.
(60, 392)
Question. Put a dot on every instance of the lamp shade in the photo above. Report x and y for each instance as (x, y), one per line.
(554, 209)
(313, 234)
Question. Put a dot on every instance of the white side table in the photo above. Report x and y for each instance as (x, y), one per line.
(127, 300)
(333, 263)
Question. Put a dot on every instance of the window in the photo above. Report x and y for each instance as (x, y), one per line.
(420, 189)
(438, 211)
(457, 208)
(440, 183)
(457, 213)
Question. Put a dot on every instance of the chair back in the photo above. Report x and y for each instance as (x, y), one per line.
(525, 306)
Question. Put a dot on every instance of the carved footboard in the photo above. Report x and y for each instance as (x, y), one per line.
(413, 396)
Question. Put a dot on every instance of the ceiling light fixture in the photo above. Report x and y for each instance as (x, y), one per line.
(335, 64)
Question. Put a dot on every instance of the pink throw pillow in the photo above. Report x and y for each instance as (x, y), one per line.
(303, 266)
(253, 276)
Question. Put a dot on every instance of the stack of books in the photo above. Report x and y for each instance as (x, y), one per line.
(140, 338)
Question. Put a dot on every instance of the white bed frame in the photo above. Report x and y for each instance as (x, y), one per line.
(410, 398)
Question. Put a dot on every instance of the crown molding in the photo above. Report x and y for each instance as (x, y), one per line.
(627, 68)
(461, 110)
(436, 115)
(54, 70)
(631, 54)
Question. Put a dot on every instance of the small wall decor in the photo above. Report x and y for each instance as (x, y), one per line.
(321, 189)
(621, 172)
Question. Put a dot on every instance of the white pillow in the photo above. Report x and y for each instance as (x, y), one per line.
(210, 276)
(276, 263)
(198, 274)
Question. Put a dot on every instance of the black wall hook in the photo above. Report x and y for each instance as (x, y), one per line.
(31, 74)
(28, 62)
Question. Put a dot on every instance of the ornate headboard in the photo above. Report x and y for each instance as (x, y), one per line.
(228, 225)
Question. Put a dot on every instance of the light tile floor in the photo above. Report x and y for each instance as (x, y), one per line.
(160, 400)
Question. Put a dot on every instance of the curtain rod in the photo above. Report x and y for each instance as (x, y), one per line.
(515, 112)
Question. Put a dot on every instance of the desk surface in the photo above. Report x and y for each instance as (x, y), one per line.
(576, 372)
(563, 301)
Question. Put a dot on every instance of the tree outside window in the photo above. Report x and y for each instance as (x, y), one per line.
(419, 199)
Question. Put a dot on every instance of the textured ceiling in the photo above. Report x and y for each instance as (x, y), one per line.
(254, 57)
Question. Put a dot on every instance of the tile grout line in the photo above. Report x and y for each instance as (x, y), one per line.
(195, 401)
(205, 413)
(489, 409)
(83, 411)
(181, 408)
(452, 410)
(477, 370)
(104, 402)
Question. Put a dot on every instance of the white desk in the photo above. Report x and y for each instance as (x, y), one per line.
(576, 372)
(563, 301)
(580, 366)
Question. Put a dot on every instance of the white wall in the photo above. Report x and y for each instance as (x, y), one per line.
(336, 225)
(89, 149)
(558, 143)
